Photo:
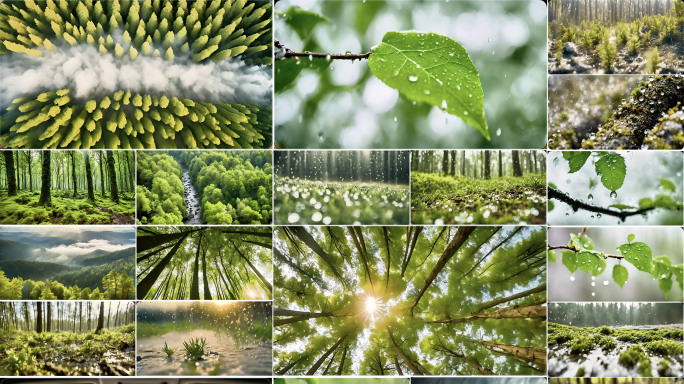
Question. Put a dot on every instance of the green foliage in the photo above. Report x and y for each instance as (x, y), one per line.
(439, 72)
(607, 51)
(160, 192)
(621, 33)
(463, 200)
(631, 356)
(652, 60)
(194, 348)
(581, 345)
(168, 351)
(664, 347)
(607, 343)
(591, 34)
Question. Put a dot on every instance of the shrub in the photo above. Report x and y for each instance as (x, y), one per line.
(607, 52)
(633, 45)
(622, 33)
(652, 60)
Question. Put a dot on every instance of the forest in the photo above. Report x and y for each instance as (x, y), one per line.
(616, 264)
(615, 340)
(204, 263)
(340, 380)
(609, 187)
(207, 339)
(67, 338)
(125, 74)
(341, 187)
(622, 36)
(67, 263)
(478, 187)
(413, 300)
(67, 187)
(616, 112)
(193, 187)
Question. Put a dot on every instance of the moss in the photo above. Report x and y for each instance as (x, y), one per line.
(607, 343)
(664, 347)
(605, 330)
(663, 366)
(631, 356)
(581, 345)
(645, 367)
(580, 372)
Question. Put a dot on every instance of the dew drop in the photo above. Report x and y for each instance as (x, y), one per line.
(605, 282)
(613, 195)
(444, 105)
(572, 278)
(498, 132)
(590, 197)
(413, 79)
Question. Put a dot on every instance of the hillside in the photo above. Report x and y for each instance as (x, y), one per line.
(34, 270)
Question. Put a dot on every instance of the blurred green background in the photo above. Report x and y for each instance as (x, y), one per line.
(339, 104)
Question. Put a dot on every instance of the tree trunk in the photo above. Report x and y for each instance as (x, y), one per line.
(307, 239)
(73, 172)
(9, 170)
(451, 249)
(500, 165)
(145, 243)
(102, 175)
(100, 318)
(146, 284)
(207, 291)
(397, 366)
(48, 317)
(404, 357)
(39, 317)
(517, 170)
(494, 303)
(30, 176)
(409, 249)
(340, 369)
(472, 362)
(254, 270)
(89, 176)
(296, 316)
(112, 177)
(45, 198)
(527, 354)
(529, 311)
(487, 165)
(321, 359)
(194, 286)
(251, 233)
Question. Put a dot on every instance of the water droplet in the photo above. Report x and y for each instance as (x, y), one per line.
(593, 294)
(598, 215)
(498, 132)
(317, 216)
(444, 105)
(413, 79)
(310, 57)
(320, 137)
(470, 95)
(572, 278)
(465, 113)
(605, 282)
(395, 119)
(593, 283)
(293, 217)
(613, 195)
(590, 197)
(489, 39)
(556, 161)
(327, 57)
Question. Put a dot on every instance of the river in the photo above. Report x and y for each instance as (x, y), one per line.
(193, 201)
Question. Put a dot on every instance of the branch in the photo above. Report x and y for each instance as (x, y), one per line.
(577, 250)
(576, 204)
(327, 56)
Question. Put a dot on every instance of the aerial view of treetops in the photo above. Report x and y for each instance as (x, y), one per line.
(341, 187)
(200, 187)
(608, 188)
(67, 187)
(389, 74)
(616, 36)
(616, 112)
(221, 338)
(478, 187)
(67, 263)
(135, 74)
(67, 338)
(410, 300)
(615, 340)
(204, 263)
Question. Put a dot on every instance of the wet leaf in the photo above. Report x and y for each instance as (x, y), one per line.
(667, 185)
(612, 169)
(569, 259)
(638, 254)
(287, 70)
(576, 159)
(552, 256)
(303, 22)
(679, 275)
(665, 285)
(620, 275)
(646, 203)
(590, 262)
(551, 206)
(431, 68)
(630, 237)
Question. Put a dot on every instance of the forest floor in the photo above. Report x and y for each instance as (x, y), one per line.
(457, 199)
(615, 352)
(226, 353)
(109, 353)
(588, 62)
(66, 209)
(314, 202)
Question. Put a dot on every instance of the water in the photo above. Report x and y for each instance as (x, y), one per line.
(192, 200)
(223, 356)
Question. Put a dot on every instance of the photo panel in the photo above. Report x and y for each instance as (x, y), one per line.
(478, 187)
(340, 380)
(615, 112)
(67, 338)
(621, 36)
(478, 380)
(137, 380)
(67, 187)
(204, 187)
(615, 263)
(615, 188)
(374, 301)
(341, 187)
(190, 338)
(409, 74)
(67, 263)
(615, 339)
(135, 74)
(204, 263)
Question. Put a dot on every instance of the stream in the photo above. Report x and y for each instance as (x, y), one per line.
(193, 202)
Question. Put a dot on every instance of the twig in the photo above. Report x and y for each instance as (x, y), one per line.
(551, 247)
(327, 56)
(576, 204)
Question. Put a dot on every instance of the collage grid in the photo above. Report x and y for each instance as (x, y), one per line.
(354, 263)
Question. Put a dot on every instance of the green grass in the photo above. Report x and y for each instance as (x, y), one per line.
(65, 209)
(194, 348)
(458, 199)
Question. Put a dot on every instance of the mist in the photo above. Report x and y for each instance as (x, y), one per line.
(91, 74)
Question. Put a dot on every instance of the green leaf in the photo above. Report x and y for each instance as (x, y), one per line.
(303, 22)
(551, 206)
(589, 261)
(620, 275)
(612, 169)
(665, 285)
(552, 256)
(679, 275)
(667, 185)
(662, 267)
(431, 68)
(552, 185)
(665, 201)
(622, 207)
(576, 159)
(582, 243)
(646, 203)
(630, 237)
(365, 14)
(638, 254)
(569, 259)
(287, 70)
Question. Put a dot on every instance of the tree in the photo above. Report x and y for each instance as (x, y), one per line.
(517, 170)
(112, 177)
(46, 177)
(100, 318)
(89, 176)
(101, 160)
